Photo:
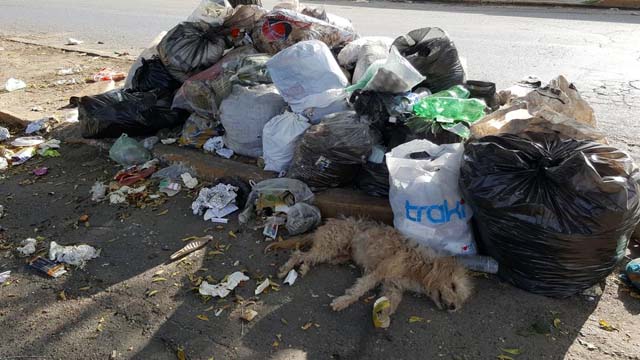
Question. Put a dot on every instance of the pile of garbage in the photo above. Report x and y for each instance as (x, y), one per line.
(521, 175)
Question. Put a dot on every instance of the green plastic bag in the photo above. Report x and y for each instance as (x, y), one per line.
(127, 152)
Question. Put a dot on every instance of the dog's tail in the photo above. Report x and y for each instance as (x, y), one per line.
(293, 243)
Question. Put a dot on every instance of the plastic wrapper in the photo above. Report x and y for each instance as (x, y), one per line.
(127, 151)
(393, 75)
(331, 153)
(434, 55)
(119, 111)
(191, 47)
(282, 28)
(213, 12)
(307, 75)
(299, 191)
(244, 114)
(76, 255)
(197, 130)
(424, 196)
(349, 55)
(153, 75)
(279, 138)
(556, 213)
(302, 217)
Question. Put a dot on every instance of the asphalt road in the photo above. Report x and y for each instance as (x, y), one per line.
(597, 49)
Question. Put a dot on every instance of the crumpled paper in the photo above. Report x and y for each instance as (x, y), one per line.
(76, 255)
(28, 247)
(224, 288)
(215, 202)
(120, 196)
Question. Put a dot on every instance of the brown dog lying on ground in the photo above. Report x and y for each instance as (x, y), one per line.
(386, 256)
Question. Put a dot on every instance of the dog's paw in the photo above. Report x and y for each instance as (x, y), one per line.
(341, 303)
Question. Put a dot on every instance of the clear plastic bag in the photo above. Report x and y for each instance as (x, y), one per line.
(393, 75)
(302, 217)
(279, 138)
(349, 55)
(213, 12)
(127, 152)
(331, 153)
(299, 190)
(424, 195)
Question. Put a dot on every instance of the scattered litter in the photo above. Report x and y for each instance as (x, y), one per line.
(106, 74)
(514, 351)
(27, 141)
(214, 144)
(47, 145)
(225, 153)
(632, 272)
(4, 164)
(248, 315)
(134, 174)
(4, 133)
(262, 286)
(35, 126)
(381, 308)
(48, 267)
(202, 317)
(65, 82)
(14, 84)
(37, 108)
(40, 171)
(72, 41)
(168, 141)
(28, 247)
(223, 288)
(120, 196)
(291, 278)
(192, 246)
(594, 291)
(169, 187)
(415, 319)
(76, 255)
(588, 345)
(4, 276)
(22, 155)
(68, 71)
(604, 325)
(189, 181)
(83, 218)
(150, 142)
(98, 191)
(215, 202)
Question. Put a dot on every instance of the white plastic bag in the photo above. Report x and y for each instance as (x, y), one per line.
(213, 12)
(307, 75)
(424, 195)
(349, 55)
(244, 114)
(279, 138)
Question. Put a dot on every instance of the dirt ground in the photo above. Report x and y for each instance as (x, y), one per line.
(131, 304)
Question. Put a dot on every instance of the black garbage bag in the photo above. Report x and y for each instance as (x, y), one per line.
(556, 213)
(151, 75)
(373, 179)
(434, 55)
(331, 152)
(191, 47)
(119, 111)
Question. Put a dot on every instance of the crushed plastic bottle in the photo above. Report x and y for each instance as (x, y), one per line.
(479, 263)
(453, 105)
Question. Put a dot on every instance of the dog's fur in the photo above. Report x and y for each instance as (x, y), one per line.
(387, 257)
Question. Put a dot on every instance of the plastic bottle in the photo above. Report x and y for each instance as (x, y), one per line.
(479, 263)
(403, 104)
(450, 107)
(457, 91)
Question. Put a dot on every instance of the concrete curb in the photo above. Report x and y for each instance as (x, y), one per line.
(332, 202)
(74, 48)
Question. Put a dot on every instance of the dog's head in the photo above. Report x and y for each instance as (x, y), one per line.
(447, 284)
